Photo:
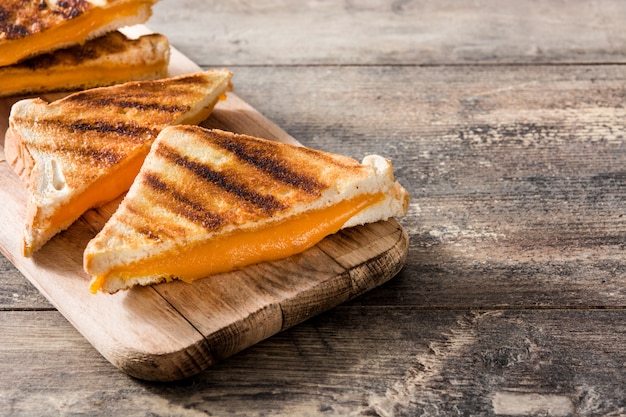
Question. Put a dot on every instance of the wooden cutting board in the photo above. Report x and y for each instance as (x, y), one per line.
(175, 330)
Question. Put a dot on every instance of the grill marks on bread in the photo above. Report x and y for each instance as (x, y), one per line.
(189, 195)
(108, 142)
(115, 124)
(183, 205)
(126, 103)
(134, 132)
(227, 183)
(264, 160)
(257, 179)
(109, 44)
(107, 129)
(87, 153)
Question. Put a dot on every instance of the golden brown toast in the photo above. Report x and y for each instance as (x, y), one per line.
(84, 150)
(106, 60)
(209, 201)
(29, 28)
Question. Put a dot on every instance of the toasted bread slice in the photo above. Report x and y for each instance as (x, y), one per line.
(106, 60)
(29, 28)
(209, 201)
(84, 150)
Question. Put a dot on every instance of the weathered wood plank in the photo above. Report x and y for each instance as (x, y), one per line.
(341, 363)
(286, 32)
(16, 293)
(516, 173)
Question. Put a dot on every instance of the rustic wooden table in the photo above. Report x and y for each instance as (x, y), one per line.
(506, 121)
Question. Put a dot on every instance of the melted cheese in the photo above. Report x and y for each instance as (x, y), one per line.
(74, 78)
(240, 249)
(73, 31)
(102, 191)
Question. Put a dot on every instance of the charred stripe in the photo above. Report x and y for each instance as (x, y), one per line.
(183, 205)
(99, 156)
(125, 104)
(273, 167)
(153, 229)
(267, 203)
(91, 101)
(132, 131)
(35, 16)
(119, 128)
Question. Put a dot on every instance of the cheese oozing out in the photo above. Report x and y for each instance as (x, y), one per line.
(71, 32)
(239, 249)
(105, 189)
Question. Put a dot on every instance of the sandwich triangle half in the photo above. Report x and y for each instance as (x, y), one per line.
(210, 201)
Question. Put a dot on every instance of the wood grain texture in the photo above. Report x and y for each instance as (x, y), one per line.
(516, 173)
(378, 32)
(16, 292)
(484, 363)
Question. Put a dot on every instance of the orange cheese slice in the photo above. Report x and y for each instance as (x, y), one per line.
(72, 31)
(243, 248)
(105, 189)
(33, 81)
(107, 60)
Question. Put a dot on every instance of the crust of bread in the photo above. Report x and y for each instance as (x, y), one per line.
(198, 184)
(60, 149)
(21, 20)
(106, 60)
(18, 156)
(396, 201)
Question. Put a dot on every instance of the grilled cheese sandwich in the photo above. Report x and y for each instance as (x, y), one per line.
(106, 60)
(209, 201)
(29, 28)
(85, 150)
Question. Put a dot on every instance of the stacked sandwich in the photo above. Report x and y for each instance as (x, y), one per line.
(196, 201)
(53, 45)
